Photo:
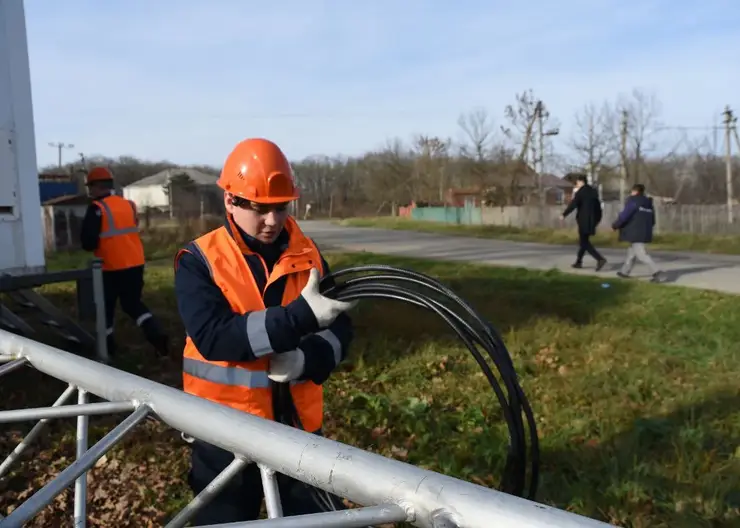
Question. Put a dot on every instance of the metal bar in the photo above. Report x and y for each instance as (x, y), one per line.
(45, 495)
(80, 507)
(34, 432)
(34, 280)
(353, 518)
(15, 364)
(101, 326)
(205, 496)
(8, 317)
(360, 476)
(272, 492)
(66, 411)
(57, 317)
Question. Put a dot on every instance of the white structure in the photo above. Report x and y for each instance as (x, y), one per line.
(150, 191)
(20, 219)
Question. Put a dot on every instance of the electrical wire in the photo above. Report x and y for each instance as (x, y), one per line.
(388, 282)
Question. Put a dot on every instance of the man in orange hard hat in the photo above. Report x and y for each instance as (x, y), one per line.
(110, 230)
(260, 336)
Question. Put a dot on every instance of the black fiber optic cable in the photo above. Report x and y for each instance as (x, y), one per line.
(388, 282)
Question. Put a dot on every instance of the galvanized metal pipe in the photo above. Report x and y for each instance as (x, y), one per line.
(34, 432)
(353, 518)
(272, 493)
(80, 506)
(204, 497)
(66, 411)
(45, 495)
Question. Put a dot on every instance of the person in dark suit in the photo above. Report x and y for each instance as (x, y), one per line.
(635, 225)
(587, 205)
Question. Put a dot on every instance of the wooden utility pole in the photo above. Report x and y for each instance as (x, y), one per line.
(59, 145)
(729, 124)
(623, 154)
(541, 148)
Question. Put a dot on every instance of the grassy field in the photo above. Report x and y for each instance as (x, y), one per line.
(634, 387)
(725, 244)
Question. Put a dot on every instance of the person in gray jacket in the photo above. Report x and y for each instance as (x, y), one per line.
(635, 224)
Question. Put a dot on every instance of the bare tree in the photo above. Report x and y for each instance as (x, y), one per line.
(430, 165)
(522, 117)
(595, 140)
(643, 121)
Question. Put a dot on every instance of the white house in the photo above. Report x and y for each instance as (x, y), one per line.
(150, 192)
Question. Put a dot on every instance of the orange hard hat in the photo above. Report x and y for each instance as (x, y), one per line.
(258, 171)
(98, 174)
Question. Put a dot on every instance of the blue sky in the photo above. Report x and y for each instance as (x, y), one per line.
(185, 80)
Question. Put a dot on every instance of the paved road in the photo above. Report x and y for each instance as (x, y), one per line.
(697, 270)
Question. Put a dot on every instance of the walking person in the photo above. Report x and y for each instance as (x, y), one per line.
(587, 205)
(635, 224)
(110, 230)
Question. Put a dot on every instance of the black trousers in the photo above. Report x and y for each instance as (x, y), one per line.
(127, 286)
(585, 246)
(241, 498)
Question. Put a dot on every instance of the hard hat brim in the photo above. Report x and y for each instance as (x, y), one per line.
(269, 199)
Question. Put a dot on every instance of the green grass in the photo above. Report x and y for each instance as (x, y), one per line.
(724, 244)
(634, 388)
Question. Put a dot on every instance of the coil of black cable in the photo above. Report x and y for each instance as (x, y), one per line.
(389, 282)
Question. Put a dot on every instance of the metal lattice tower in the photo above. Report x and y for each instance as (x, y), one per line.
(390, 491)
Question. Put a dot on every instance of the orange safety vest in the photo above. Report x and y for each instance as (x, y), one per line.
(120, 246)
(244, 385)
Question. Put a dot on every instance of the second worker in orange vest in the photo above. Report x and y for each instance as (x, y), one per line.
(110, 230)
(260, 336)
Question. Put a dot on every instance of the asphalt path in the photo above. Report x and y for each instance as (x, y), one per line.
(696, 270)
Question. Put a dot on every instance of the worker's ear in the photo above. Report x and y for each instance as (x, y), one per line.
(228, 203)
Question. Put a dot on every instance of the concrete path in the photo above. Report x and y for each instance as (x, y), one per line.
(697, 270)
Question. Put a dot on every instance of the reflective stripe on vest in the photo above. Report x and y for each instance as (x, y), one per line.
(120, 246)
(245, 385)
(112, 229)
(233, 376)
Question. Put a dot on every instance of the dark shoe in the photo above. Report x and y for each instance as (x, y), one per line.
(577, 265)
(622, 275)
(111, 346)
(657, 277)
(600, 264)
(156, 336)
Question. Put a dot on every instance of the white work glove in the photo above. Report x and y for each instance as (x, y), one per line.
(287, 366)
(324, 309)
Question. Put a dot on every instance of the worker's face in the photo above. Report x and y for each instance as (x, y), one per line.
(261, 221)
(96, 190)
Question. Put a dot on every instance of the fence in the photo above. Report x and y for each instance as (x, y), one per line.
(694, 219)
(391, 491)
(468, 215)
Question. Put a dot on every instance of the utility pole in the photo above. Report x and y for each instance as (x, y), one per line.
(59, 146)
(591, 147)
(729, 125)
(542, 114)
(623, 153)
(541, 148)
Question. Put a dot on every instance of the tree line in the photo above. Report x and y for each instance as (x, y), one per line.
(622, 139)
